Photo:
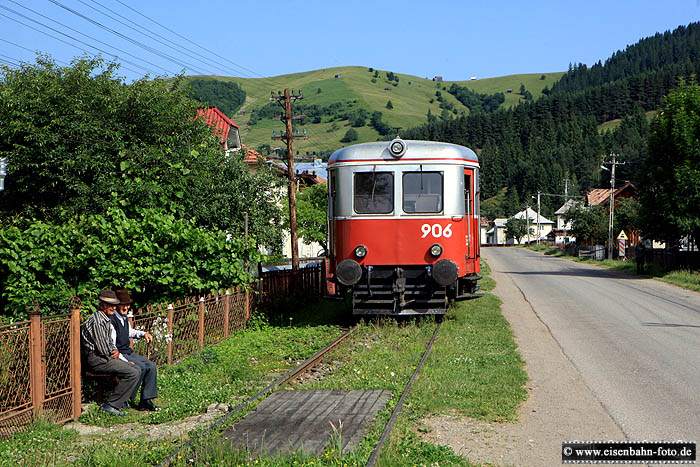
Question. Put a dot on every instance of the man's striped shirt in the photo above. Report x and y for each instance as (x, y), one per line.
(96, 335)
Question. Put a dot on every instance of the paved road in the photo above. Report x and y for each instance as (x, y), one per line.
(636, 342)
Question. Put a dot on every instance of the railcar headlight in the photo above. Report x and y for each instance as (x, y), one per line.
(436, 250)
(348, 272)
(361, 251)
(397, 147)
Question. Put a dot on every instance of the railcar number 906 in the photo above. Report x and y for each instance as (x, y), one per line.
(436, 230)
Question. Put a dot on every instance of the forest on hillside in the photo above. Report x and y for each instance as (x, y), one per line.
(537, 144)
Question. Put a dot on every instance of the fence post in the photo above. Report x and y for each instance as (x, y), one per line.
(36, 364)
(227, 310)
(247, 304)
(201, 322)
(75, 359)
(171, 317)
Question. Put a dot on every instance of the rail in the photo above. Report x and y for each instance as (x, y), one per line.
(374, 456)
(291, 375)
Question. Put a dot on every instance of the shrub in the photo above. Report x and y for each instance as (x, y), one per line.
(350, 136)
(153, 253)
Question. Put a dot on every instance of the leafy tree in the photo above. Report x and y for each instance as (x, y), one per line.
(350, 136)
(589, 224)
(389, 105)
(78, 138)
(517, 229)
(312, 214)
(670, 188)
(226, 95)
(627, 215)
(318, 91)
(543, 77)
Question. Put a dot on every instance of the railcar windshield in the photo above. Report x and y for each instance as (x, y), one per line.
(422, 192)
(374, 192)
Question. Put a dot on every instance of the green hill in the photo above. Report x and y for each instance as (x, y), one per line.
(359, 88)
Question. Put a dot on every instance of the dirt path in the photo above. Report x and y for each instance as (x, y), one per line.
(560, 406)
(174, 429)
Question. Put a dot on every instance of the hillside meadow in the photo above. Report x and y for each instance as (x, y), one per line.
(411, 100)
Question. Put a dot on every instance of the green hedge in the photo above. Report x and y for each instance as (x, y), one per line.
(153, 253)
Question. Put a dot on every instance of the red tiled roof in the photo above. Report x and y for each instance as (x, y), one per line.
(251, 156)
(220, 123)
(601, 196)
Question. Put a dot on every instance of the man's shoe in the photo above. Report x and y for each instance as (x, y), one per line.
(112, 411)
(148, 405)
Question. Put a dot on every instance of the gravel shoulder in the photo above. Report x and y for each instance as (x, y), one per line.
(560, 406)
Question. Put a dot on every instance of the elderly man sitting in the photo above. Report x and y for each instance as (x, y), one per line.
(124, 334)
(102, 356)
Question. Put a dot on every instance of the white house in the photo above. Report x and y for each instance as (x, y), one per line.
(496, 235)
(562, 232)
(545, 225)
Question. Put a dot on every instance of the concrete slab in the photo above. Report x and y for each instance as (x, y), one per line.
(288, 421)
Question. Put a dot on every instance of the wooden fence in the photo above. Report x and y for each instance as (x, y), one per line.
(40, 369)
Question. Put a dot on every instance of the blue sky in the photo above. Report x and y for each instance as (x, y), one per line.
(455, 39)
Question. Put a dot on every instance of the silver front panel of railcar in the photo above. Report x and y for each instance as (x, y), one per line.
(453, 189)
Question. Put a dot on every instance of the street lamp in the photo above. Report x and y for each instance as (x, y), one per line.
(3, 172)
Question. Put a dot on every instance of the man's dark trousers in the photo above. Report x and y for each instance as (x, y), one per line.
(129, 377)
(149, 373)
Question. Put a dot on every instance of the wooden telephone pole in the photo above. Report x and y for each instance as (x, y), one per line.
(613, 162)
(285, 100)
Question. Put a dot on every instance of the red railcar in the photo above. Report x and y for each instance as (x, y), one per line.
(403, 226)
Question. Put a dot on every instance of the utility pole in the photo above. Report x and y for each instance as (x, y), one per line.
(285, 100)
(527, 222)
(613, 163)
(538, 216)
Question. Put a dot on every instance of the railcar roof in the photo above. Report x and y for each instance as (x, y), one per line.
(415, 149)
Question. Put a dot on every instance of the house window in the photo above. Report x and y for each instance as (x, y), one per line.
(374, 192)
(422, 192)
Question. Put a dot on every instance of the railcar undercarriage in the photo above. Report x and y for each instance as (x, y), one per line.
(407, 291)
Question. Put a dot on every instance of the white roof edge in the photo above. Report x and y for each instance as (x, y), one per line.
(415, 149)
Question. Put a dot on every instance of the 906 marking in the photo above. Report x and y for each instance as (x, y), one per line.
(436, 230)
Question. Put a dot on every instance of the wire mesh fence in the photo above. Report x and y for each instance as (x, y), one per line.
(15, 389)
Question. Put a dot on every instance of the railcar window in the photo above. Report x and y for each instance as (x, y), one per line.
(422, 192)
(374, 192)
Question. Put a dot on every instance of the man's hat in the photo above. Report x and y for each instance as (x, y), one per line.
(108, 296)
(123, 296)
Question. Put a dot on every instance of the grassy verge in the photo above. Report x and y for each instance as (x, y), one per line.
(682, 278)
(474, 370)
(228, 372)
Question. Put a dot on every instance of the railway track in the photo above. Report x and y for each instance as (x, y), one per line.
(291, 375)
(307, 365)
(374, 456)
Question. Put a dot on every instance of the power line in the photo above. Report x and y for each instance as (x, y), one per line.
(194, 43)
(82, 34)
(30, 50)
(151, 34)
(127, 38)
(9, 60)
(75, 39)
